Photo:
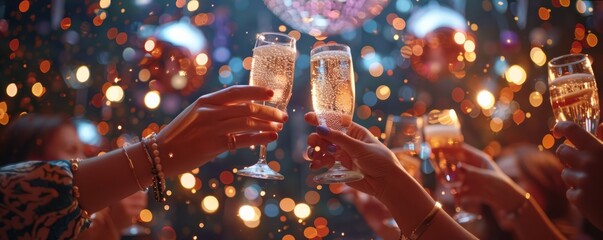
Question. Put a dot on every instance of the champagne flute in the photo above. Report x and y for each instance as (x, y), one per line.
(443, 133)
(272, 67)
(333, 92)
(403, 136)
(573, 91)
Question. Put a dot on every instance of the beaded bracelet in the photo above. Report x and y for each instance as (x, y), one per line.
(156, 168)
(74, 165)
(415, 234)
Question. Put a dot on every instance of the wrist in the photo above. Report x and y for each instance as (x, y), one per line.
(406, 200)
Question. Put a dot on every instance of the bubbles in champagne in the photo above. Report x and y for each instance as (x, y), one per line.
(574, 98)
(273, 67)
(331, 74)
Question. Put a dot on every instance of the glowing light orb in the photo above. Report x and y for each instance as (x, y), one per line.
(210, 204)
(485, 99)
(11, 90)
(249, 213)
(152, 99)
(302, 210)
(114, 94)
(515, 74)
(187, 180)
(82, 74)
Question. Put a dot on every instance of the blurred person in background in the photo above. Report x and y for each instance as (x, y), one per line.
(49, 137)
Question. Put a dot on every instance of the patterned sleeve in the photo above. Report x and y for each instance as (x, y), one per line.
(36, 202)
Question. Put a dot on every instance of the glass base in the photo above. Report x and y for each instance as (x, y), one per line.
(464, 217)
(260, 170)
(338, 174)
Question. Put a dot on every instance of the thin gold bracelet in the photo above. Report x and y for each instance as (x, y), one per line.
(132, 168)
(415, 234)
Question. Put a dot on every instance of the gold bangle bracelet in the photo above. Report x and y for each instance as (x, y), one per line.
(132, 168)
(419, 230)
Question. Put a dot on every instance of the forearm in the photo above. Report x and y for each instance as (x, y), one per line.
(534, 224)
(105, 179)
(409, 204)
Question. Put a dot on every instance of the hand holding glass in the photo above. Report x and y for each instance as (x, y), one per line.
(272, 67)
(443, 133)
(573, 90)
(333, 92)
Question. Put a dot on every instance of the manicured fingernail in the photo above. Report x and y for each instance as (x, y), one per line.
(322, 130)
(285, 117)
(269, 93)
(279, 126)
(332, 148)
(273, 136)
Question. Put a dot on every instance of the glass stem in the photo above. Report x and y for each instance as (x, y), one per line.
(262, 154)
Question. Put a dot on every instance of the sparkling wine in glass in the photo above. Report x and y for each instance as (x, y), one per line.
(272, 67)
(403, 135)
(443, 133)
(333, 92)
(573, 91)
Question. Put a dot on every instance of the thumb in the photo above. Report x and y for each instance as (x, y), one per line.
(347, 143)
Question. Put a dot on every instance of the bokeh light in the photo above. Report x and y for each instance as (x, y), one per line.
(115, 93)
(145, 215)
(485, 99)
(302, 210)
(516, 74)
(152, 99)
(210, 204)
(187, 180)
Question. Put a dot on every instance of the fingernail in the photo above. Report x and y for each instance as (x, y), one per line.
(285, 118)
(323, 130)
(279, 126)
(269, 93)
(273, 136)
(332, 148)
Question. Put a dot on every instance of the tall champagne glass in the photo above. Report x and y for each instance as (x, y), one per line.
(333, 92)
(272, 67)
(403, 135)
(573, 91)
(443, 133)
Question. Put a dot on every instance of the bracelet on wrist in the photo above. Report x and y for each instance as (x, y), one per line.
(419, 230)
(149, 144)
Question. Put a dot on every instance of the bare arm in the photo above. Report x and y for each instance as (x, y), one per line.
(409, 204)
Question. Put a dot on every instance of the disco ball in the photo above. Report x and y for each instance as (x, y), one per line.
(325, 17)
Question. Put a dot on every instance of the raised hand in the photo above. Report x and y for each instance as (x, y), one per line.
(206, 127)
(584, 169)
(357, 148)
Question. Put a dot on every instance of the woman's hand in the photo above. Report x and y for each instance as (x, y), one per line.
(584, 169)
(358, 148)
(203, 129)
(501, 192)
